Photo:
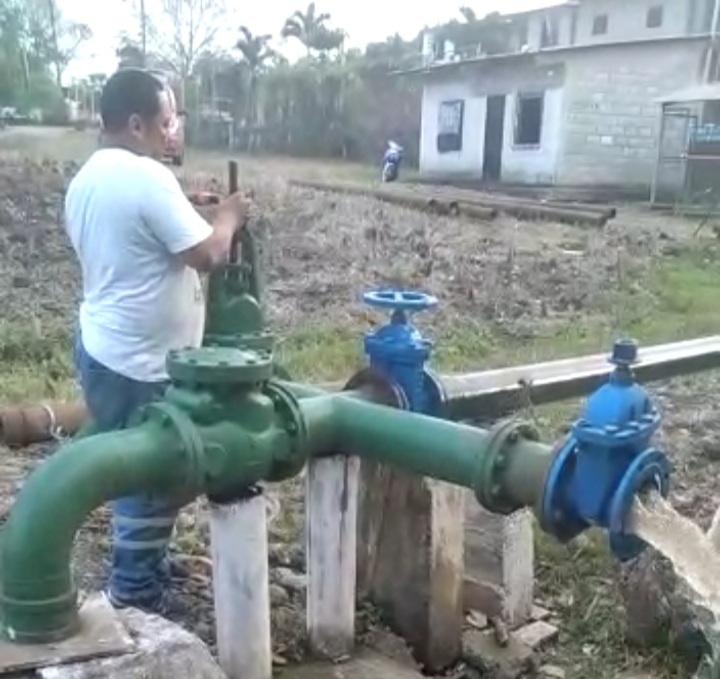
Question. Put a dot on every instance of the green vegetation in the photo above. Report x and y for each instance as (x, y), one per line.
(36, 46)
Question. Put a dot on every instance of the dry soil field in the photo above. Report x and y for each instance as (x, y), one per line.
(510, 291)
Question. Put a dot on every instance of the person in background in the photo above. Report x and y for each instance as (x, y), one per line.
(141, 246)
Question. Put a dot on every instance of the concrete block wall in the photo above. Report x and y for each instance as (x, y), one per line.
(611, 117)
(627, 20)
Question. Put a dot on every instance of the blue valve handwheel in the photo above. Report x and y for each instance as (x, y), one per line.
(405, 300)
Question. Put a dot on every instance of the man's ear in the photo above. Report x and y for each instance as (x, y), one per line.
(135, 124)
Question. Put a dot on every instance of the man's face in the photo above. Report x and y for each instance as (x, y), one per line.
(152, 136)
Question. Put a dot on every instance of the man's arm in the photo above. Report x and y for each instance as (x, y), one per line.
(173, 219)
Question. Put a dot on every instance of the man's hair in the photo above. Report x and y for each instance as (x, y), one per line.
(128, 92)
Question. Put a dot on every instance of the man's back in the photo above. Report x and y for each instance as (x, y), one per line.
(126, 216)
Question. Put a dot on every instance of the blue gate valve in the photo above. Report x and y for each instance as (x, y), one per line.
(397, 350)
(606, 461)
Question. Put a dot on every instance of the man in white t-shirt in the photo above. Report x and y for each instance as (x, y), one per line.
(140, 244)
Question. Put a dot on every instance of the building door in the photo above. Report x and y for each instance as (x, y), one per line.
(494, 132)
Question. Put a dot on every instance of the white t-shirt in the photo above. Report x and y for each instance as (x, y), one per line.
(127, 218)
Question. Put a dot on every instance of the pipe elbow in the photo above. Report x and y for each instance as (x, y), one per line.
(37, 593)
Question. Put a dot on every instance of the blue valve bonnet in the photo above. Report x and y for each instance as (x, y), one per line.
(625, 352)
(397, 350)
(607, 459)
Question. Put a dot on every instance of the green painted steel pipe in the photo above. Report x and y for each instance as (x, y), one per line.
(37, 595)
(505, 466)
(165, 453)
(217, 442)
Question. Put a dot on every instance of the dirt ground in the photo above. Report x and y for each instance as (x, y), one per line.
(495, 280)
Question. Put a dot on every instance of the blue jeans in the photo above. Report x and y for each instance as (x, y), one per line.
(142, 524)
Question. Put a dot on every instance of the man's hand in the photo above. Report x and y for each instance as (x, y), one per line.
(230, 215)
(232, 212)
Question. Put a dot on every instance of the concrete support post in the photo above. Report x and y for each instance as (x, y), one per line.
(241, 584)
(331, 547)
(410, 559)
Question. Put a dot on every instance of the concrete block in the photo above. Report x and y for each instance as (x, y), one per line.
(499, 564)
(537, 634)
(511, 661)
(164, 651)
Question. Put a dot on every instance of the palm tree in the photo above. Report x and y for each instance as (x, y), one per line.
(311, 30)
(255, 52)
(468, 13)
(255, 49)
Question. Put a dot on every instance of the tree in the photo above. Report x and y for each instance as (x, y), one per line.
(129, 54)
(63, 38)
(312, 31)
(256, 52)
(36, 46)
(468, 13)
(139, 55)
(255, 49)
(184, 30)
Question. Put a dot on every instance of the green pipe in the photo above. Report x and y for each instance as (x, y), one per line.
(166, 453)
(302, 390)
(505, 468)
(37, 595)
(219, 439)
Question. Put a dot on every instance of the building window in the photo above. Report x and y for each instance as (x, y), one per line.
(550, 36)
(528, 119)
(655, 17)
(450, 126)
(600, 24)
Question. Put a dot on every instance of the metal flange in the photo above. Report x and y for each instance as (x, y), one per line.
(377, 388)
(288, 411)
(262, 340)
(219, 366)
(488, 487)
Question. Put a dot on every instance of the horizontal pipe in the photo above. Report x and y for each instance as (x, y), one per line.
(428, 446)
(22, 426)
(399, 196)
(37, 594)
(496, 393)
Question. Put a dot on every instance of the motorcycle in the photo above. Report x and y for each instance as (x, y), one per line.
(391, 162)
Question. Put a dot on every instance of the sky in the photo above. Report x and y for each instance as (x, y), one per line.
(364, 20)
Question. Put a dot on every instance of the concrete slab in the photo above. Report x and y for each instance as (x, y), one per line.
(102, 634)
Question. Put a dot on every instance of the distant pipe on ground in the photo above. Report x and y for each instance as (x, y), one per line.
(425, 203)
(472, 204)
(24, 425)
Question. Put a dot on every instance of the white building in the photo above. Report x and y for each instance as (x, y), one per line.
(575, 103)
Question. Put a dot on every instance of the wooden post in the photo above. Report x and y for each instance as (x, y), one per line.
(331, 539)
(238, 531)
(499, 563)
(410, 559)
